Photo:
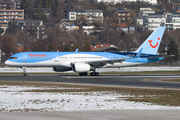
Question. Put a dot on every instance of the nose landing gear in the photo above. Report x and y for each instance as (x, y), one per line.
(24, 71)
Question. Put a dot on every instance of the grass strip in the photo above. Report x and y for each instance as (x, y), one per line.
(172, 80)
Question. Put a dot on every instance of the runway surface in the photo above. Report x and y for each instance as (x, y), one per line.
(147, 81)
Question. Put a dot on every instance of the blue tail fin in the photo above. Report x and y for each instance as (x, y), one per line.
(151, 44)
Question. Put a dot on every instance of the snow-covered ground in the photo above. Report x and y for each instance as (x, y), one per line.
(126, 69)
(13, 98)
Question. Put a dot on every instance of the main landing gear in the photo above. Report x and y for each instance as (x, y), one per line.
(94, 73)
(91, 74)
(24, 71)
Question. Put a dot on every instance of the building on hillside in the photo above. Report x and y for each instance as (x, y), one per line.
(169, 19)
(36, 27)
(7, 15)
(84, 15)
(105, 48)
(122, 26)
(88, 28)
(143, 12)
(68, 26)
(91, 28)
(153, 2)
(124, 15)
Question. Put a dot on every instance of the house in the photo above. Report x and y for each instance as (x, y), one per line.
(90, 28)
(104, 48)
(124, 26)
(68, 26)
(35, 26)
(85, 15)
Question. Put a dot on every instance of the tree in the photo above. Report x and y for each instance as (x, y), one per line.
(92, 2)
(1, 30)
(75, 46)
(67, 48)
(38, 46)
(8, 45)
(87, 47)
(28, 7)
(50, 47)
(12, 27)
(39, 12)
(173, 49)
(55, 8)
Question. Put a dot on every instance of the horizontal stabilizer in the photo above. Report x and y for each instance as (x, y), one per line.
(160, 57)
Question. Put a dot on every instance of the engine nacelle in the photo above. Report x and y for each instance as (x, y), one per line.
(61, 69)
(81, 67)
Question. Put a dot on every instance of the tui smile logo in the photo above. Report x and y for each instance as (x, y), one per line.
(153, 46)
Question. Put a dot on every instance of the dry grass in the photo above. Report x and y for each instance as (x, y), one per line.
(172, 80)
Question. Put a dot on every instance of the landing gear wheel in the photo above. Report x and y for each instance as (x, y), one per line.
(94, 74)
(83, 74)
(25, 74)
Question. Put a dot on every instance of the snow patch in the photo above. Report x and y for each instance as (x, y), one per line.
(14, 99)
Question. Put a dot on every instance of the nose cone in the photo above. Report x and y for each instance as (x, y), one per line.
(8, 63)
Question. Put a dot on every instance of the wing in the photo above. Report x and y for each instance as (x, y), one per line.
(104, 62)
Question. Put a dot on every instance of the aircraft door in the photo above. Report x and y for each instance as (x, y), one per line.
(56, 58)
(24, 58)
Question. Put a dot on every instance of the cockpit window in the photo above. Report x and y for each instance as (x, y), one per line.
(13, 57)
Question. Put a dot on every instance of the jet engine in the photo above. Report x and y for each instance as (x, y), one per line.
(61, 69)
(81, 67)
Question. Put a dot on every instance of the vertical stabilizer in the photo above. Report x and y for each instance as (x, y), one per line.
(151, 44)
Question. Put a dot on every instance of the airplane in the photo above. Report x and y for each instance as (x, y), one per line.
(84, 62)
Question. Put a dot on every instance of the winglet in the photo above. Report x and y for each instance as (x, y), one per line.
(139, 53)
(76, 50)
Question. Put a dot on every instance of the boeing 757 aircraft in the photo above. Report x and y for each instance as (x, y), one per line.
(84, 62)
